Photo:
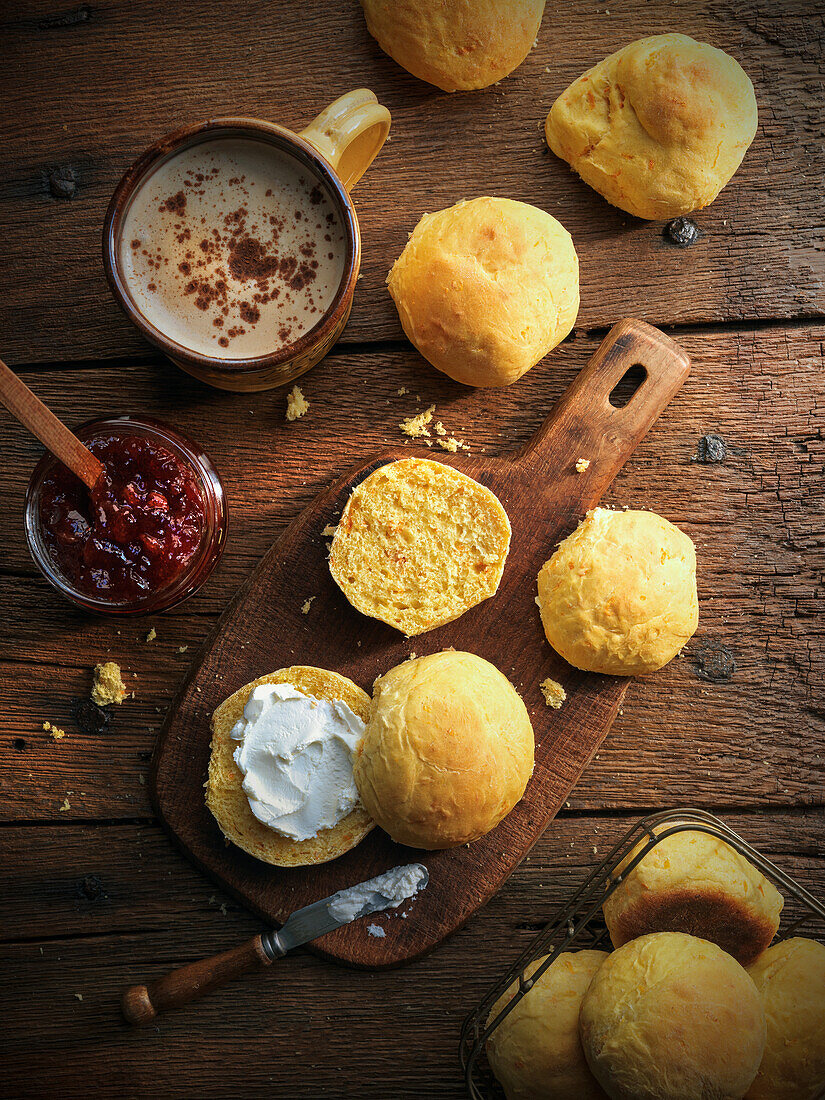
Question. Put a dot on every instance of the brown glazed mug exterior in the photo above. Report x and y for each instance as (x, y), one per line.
(336, 148)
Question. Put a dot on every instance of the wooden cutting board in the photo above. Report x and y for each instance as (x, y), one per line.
(265, 628)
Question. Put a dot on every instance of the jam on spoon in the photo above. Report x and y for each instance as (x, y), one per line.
(136, 532)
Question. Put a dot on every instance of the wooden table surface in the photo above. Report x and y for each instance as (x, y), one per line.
(93, 894)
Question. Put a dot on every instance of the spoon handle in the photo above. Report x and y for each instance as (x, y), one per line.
(52, 433)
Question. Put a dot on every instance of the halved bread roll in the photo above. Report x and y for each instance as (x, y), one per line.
(225, 796)
(418, 544)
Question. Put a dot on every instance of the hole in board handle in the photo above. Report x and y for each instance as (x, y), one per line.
(627, 386)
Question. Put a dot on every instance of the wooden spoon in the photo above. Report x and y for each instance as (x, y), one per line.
(52, 433)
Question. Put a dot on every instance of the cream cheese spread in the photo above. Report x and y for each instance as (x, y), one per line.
(295, 754)
(385, 892)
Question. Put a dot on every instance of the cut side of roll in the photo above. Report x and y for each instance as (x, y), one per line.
(225, 796)
(418, 544)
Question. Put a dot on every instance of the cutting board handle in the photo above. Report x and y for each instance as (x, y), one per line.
(585, 424)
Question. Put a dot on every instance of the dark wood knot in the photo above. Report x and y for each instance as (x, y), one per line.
(682, 232)
(713, 661)
(63, 182)
(710, 449)
(90, 887)
(66, 18)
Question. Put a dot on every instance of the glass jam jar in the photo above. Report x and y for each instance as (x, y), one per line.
(146, 537)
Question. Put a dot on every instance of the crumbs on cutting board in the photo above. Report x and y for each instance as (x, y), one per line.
(307, 604)
(582, 464)
(377, 931)
(53, 731)
(150, 637)
(296, 404)
(330, 529)
(554, 694)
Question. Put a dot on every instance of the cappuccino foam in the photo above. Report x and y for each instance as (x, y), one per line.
(232, 248)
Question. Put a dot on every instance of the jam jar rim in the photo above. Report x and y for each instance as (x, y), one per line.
(215, 514)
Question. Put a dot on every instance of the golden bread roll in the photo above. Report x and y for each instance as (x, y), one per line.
(657, 128)
(447, 751)
(225, 796)
(693, 882)
(453, 44)
(619, 594)
(672, 1017)
(535, 1052)
(486, 288)
(418, 544)
(790, 978)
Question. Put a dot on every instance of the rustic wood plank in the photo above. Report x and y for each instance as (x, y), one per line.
(155, 66)
(691, 731)
(291, 1032)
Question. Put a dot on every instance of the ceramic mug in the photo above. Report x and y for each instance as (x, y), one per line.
(336, 149)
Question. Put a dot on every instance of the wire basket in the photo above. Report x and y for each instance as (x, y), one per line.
(579, 924)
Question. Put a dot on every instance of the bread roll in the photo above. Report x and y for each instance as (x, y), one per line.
(672, 1017)
(535, 1052)
(790, 977)
(657, 128)
(486, 288)
(418, 544)
(447, 751)
(619, 594)
(693, 882)
(454, 44)
(225, 796)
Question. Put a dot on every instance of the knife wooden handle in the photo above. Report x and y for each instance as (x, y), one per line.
(142, 1003)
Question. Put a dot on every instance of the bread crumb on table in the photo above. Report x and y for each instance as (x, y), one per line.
(416, 426)
(150, 637)
(66, 806)
(296, 404)
(53, 731)
(582, 464)
(306, 605)
(452, 445)
(108, 686)
(554, 694)
(330, 529)
(402, 391)
(439, 428)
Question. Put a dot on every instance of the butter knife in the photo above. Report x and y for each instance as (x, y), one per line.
(142, 1003)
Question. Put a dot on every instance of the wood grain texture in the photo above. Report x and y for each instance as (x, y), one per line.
(746, 698)
(155, 67)
(265, 629)
(304, 1029)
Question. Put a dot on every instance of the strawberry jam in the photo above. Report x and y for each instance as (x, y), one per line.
(136, 532)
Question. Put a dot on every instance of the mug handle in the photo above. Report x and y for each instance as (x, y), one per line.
(349, 133)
